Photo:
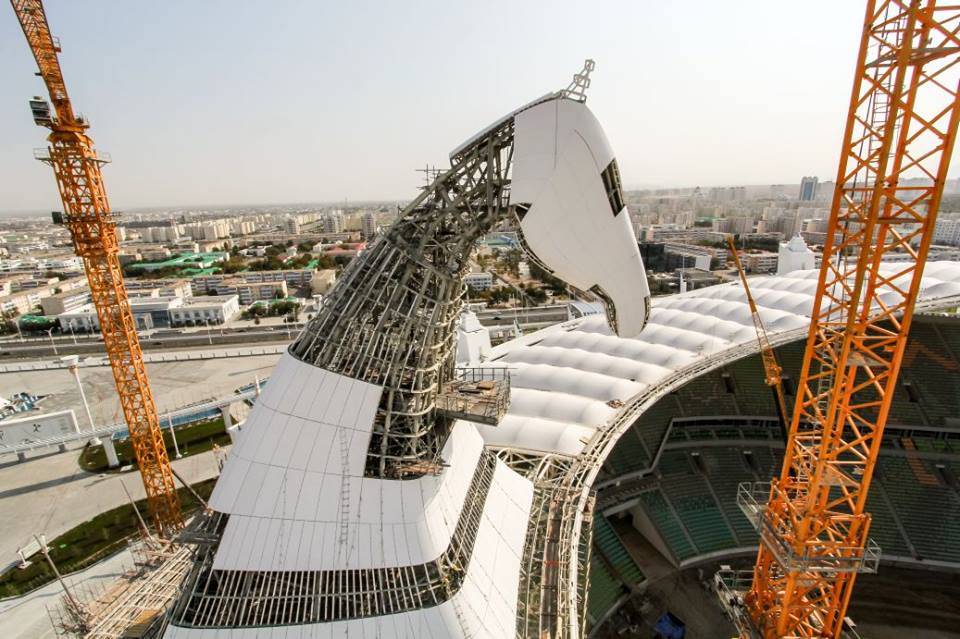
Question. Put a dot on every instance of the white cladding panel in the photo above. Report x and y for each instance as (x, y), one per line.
(294, 486)
(560, 151)
(486, 604)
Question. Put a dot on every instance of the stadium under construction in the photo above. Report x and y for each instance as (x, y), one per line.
(399, 477)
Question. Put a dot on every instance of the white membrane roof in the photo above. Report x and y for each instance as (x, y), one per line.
(568, 380)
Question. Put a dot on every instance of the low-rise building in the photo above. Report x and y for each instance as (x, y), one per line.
(148, 313)
(322, 281)
(248, 292)
(65, 302)
(761, 261)
(479, 281)
(293, 276)
(159, 312)
(679, 255)
(158, 287)
(212, 309)
(345, 249)
(21, 303)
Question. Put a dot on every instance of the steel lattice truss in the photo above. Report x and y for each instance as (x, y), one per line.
(902, 124)
(391, 320)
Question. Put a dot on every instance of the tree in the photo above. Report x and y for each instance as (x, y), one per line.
(535, 294)
(8, 323)
(511, 261)
(233, 265)
(499, 294)
(269, 264)
(555, 284)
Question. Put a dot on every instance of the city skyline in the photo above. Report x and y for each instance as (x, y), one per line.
(260, 105)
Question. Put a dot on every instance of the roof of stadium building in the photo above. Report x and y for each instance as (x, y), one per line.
(576, 386)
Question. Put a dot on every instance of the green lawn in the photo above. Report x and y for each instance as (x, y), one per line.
(89, 542)
(194, 438)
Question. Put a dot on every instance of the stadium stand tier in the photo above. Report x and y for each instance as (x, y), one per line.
(678, 468)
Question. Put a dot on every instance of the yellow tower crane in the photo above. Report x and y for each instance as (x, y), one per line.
(899, 138)
(86, 214)
(773, 372)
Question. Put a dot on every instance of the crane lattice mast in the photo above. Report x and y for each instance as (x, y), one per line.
(898, 142)
(86, 214)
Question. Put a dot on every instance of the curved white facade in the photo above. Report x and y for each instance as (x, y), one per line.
(283, 485)
(577, 224)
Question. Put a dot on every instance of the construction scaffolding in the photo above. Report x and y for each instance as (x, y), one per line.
(134, 605)
(477, 394)
(391, 321)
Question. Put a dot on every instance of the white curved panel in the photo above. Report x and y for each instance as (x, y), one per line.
(560, 151)
(485, 605)
(297, 473)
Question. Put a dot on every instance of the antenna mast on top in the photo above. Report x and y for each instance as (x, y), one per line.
(577, 89)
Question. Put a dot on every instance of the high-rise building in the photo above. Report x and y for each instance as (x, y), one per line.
(369, 225)
(794, 256)
(333, 222)
(808, 188)
(947, 232)
(292, 225)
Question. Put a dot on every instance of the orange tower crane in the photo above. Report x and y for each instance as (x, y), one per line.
(898, 142)
(86, 214)
(773, 372)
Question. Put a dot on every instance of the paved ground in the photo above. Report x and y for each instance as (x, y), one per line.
(26, 617)
(51, 494)
(174, 384)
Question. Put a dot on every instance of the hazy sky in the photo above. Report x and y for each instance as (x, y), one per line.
(210, 102)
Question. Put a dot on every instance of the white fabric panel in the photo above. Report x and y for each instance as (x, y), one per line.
(536, 434)
(571, 382)
(553, 411)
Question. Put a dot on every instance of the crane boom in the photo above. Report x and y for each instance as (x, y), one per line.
(899, 138)
(87, 216)
(773, 372)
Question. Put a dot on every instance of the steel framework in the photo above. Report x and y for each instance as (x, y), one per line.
(899, 138)
(391, 321)
(92, 227)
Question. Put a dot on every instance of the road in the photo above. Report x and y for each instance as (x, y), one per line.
(51, 495)
(174, 384)
(44, 348)
(525, 316)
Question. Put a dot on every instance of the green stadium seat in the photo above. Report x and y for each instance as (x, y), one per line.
(605, 590)
(606, 540)
(667, 525)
